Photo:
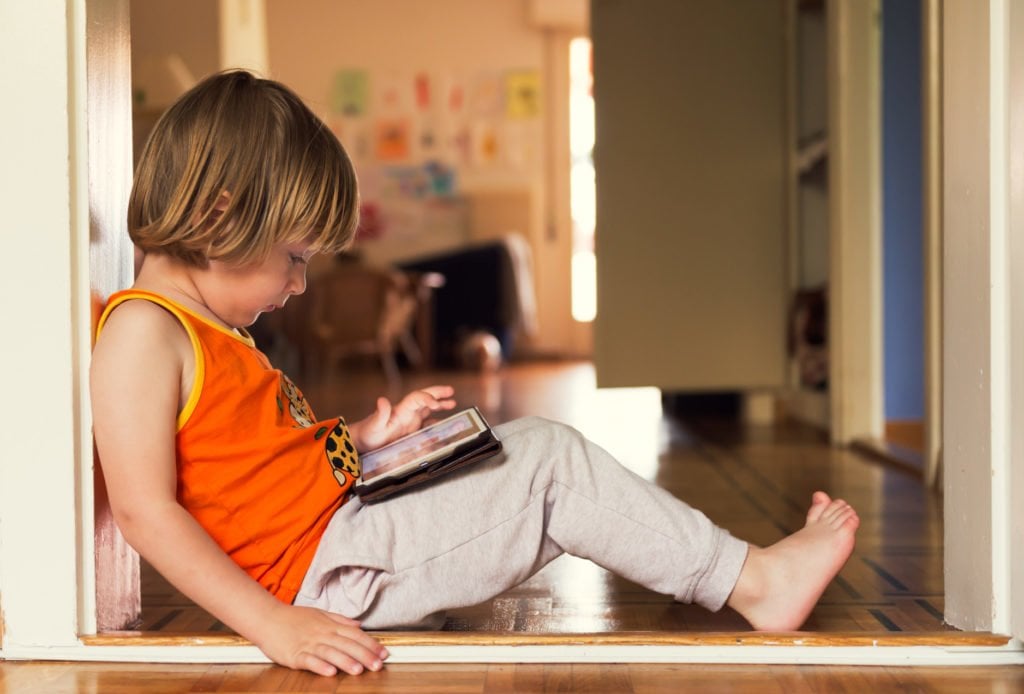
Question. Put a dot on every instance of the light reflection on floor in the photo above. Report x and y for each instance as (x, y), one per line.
(627, 422)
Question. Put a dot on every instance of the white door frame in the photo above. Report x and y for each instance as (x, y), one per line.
(1015, 316)
(984, 150)
(45, 449)
(931, 188)
(45, 496)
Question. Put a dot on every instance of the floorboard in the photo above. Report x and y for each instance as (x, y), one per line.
(756, 481)
(112, 678)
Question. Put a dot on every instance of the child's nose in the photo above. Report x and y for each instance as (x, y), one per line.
(298, 281)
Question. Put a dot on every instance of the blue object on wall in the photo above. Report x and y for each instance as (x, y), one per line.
(901, 210)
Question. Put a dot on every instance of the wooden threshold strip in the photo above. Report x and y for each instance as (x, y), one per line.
(633, 638)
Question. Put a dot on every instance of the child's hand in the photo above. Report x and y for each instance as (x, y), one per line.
(389, 423)
(305, 638)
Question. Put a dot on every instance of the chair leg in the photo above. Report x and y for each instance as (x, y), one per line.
(411, 349)
(387, 360)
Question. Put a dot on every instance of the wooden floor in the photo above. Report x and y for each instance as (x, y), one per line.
(58, 678)
(754, 480)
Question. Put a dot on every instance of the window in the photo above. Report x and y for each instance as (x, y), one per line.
(581, 185)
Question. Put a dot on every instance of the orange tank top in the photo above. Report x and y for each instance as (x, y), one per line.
(261, 476)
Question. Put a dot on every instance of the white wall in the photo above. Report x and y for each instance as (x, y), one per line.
(44, 303)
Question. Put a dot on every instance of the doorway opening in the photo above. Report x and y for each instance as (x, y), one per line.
(582, 194)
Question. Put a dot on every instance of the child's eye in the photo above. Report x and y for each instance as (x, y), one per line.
(297, 259)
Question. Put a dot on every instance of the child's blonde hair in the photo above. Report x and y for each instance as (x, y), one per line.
(236, 165)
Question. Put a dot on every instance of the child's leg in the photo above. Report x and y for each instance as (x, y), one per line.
(481, 532)
(478, 533)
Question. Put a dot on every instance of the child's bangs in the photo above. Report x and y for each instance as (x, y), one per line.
(324, 207)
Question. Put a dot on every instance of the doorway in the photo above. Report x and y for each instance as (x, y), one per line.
(902, 226)
(40, 604)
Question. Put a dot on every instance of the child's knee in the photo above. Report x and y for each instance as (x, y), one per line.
(543, 429)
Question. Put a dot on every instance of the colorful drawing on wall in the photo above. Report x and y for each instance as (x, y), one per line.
(456, 98)
(350, 92)
(421, 85)
(426, 138)
(459, 145)
(392, 139)
(522, 94)
(486, 97)
(486, 144)
(353, 134)
(393, 93)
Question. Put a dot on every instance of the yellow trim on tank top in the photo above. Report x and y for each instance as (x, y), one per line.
(176, 310)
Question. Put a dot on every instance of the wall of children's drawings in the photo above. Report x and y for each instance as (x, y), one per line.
(413, 136)
(433, 101)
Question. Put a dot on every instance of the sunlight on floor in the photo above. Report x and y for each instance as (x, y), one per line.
(627, 422)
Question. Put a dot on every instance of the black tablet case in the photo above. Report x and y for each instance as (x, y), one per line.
(482, 446)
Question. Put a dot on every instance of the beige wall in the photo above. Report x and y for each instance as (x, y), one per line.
(453, 40)
(308, 41)
(164, 33)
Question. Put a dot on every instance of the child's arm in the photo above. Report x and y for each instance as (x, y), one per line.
(388, 423)
(136, 380)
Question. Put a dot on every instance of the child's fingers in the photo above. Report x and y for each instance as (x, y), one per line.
(350, 652)
(368, 641)
(439, 392)
(342, 619)
(433, 398)
(318, 666)
(383, 412)
(327, 660)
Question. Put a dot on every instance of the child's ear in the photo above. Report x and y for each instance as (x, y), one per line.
(222, 200)
(220, 205)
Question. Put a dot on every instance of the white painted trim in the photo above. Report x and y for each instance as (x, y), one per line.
(1015, 318)
(81, 316)
(999, 301)
(42, 183)
(966, 316)
(978, 113)
(931, 61)
(1010, 654)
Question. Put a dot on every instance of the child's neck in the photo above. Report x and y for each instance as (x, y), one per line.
(174, 280)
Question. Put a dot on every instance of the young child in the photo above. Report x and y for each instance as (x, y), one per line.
(221, 477)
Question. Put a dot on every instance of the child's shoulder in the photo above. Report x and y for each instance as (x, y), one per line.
(138, 314)
(138, 325)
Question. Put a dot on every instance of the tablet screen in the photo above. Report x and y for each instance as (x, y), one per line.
(423, 446)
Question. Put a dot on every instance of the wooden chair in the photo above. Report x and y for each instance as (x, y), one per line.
(357, 309)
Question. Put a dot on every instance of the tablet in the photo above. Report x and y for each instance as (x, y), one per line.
(421, 448)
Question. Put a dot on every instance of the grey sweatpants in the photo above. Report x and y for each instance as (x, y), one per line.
(481, 531)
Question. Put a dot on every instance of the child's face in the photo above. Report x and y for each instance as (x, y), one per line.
(238, 295)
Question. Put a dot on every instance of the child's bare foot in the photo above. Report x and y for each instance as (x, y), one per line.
(779, 585)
